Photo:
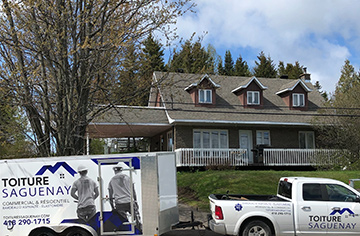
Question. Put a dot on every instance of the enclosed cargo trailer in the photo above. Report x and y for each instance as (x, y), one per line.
(79, 195)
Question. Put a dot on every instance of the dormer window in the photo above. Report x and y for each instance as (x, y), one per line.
(298, 100)
(253, 98)
(205, 96)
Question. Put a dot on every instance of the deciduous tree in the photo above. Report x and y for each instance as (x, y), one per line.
(60, 57)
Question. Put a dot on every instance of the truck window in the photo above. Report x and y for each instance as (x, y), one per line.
(312, 192)
(285, 189)
(339, 193)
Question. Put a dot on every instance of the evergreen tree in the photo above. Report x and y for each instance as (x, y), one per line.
(291, 71)
(241, 67)
(151, 60)
(229, 64)
(153, 56)
(264, 67)
(192, 58)
(220, 68)
(348, 78)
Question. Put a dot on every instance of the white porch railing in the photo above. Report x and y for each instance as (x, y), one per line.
(239, 157)
(211, 157)
(298, 157)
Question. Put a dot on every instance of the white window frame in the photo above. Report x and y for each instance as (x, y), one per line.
(205, 96)
(211, 144)
(261, 137)
(306, 141)
(251, 97)
(298, 100)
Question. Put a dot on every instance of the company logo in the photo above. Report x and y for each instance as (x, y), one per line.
(54, 168)
(238, 207)
(342, 211)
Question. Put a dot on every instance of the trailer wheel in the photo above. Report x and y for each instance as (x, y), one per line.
(256, 228)
(77, 232)
(43, 232)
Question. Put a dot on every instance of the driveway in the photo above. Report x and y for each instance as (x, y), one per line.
(185, 216)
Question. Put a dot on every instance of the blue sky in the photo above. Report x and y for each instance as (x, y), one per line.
(320, 34)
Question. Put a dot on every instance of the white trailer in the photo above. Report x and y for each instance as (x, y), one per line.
(36, 197)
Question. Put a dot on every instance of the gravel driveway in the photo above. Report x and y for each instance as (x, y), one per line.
(185, 215)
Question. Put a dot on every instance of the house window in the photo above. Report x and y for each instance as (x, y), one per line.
(213, 139)
(253, 97)
(298, 100)
(306, 139)
(205, 96)
(263, 137)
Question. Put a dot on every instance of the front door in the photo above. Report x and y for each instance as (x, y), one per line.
(245, 139)
(117, 213)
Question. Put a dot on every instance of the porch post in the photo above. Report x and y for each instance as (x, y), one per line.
(87, 144)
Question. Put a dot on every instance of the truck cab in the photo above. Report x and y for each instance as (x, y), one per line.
(322, 206)
(302, 206)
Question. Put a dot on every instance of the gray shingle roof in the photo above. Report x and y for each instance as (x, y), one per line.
(228, 108)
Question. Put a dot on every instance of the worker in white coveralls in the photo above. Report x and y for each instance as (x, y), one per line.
(85, 191)
(120, 195)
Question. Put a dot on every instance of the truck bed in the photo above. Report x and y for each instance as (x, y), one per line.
(243, 197)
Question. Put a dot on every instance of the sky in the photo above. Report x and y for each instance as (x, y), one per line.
(319, 34)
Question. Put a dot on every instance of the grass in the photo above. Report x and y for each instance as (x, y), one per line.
(195, 187)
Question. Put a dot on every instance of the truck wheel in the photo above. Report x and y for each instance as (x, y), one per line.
(43, 232)
(256, 228)
(77, 232)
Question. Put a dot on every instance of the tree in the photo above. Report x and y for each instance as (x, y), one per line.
(241, 67)
(340, 126)
(348, 79)
(13, 141)
(60, 57)
(291, 71)
(228, 64)
(192, 58)
(264, 67)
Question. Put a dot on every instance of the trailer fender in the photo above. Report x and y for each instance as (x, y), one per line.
(64, 229)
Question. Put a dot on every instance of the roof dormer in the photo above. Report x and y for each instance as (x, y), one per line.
(250, 93)
(203, 92)
(295, 95)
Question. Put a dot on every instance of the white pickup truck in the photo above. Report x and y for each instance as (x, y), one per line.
(302, 206)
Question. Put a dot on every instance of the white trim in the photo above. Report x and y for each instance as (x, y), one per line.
(144, 124)
(205, 96)
(196, 84)
(252, 96)
(240, 122)
(262, 136)
(246, 85)
(300, 99)
(305, 87)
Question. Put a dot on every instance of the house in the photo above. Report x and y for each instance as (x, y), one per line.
(216, 120)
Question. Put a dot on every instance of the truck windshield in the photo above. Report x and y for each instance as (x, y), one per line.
(285, 189)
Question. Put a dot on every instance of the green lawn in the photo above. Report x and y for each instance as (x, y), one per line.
(195, 187)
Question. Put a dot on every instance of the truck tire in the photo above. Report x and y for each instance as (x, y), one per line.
(256, 228)
(43, 232)
(77, 232)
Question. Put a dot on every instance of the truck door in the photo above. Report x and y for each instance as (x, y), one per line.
(344, 211)
(310, 208)
(117, 216)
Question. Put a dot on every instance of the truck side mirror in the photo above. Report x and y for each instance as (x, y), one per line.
(357, 199)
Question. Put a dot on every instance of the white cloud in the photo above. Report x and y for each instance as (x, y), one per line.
(318, 34)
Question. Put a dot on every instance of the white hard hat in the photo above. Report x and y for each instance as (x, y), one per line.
(82, 168)
(118, 166)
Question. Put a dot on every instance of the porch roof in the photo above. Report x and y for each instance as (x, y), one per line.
(125, 121)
